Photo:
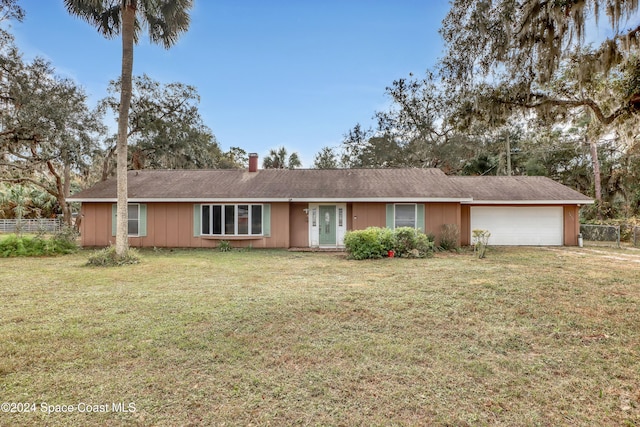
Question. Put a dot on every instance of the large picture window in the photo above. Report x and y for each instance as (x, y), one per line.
(405, 216)
(232, 220)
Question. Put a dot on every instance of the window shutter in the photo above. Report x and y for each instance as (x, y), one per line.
(420, 217)
(142, 221)
(391, 220)
(114, 216)
(266, 220)
(197, 219)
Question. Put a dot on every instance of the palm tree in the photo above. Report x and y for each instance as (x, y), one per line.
(165, 20)
(277, 159)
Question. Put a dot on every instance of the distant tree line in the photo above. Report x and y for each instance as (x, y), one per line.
(519, 91)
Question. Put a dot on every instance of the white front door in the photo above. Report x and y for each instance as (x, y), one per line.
(327, 224)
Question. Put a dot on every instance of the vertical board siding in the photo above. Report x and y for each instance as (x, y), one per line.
(465, 225)
(299, 220)
(175, 224)
(571, 224)
(439, 214)
(368, 215)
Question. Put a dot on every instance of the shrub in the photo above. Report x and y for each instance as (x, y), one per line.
(366, 244)
(107, 257)
(65, 240)
(411, 243)
(449, 237)
(480, 242)
(425, 246)
(224, 246)
(26, 246)
(375, 242)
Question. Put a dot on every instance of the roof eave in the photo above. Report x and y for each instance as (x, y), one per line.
(530, 202)
(275, 200)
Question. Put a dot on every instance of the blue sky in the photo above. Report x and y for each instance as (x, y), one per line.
(269, 73)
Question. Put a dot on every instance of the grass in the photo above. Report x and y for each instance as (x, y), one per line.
(524, 337)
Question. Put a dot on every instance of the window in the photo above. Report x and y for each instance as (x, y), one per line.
(133, 223)
(405, 216)
(232, 220)
(136, 221)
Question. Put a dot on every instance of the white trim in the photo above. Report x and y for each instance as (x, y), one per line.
(280, 199)
(71, 199)
(383, 200)
(530, 202)
(314, 231)
(464, 201)
(185, 200)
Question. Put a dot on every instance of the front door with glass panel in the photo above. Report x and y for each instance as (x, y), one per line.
(327, 225)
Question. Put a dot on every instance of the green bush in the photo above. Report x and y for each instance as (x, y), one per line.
(107, 257)
(225, 246)
(65, 240)
(375, 242)
(387, 240)
(411, 243)
(366, 244)
(26, 246)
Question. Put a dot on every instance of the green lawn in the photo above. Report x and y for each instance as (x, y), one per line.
(525, 337)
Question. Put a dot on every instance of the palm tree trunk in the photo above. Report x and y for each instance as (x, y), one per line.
(128, 19)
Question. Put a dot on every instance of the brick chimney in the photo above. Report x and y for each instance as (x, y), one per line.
(253, 162)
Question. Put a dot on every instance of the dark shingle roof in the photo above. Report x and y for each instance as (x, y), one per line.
(317, 184)
(516, 188)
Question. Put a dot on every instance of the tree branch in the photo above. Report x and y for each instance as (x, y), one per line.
(31, 181)
(543, 101)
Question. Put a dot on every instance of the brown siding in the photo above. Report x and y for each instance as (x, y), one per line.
(465, 225)
(438, 214)
(299, 221)
(368, 215)
(171, 225)
(95, 227)
(571, 225)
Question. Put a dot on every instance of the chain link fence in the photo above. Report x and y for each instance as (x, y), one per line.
(600, 234)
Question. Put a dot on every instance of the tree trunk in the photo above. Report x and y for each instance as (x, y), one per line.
(128, 20)
(593, 147)
(508, 155)
(66, 193)
(107, 163)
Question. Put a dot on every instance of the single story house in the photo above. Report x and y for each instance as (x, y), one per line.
(302, 208)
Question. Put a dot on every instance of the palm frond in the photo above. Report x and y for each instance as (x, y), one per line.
(102, 14)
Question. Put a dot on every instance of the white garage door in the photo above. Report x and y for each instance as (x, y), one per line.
(535, 226)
